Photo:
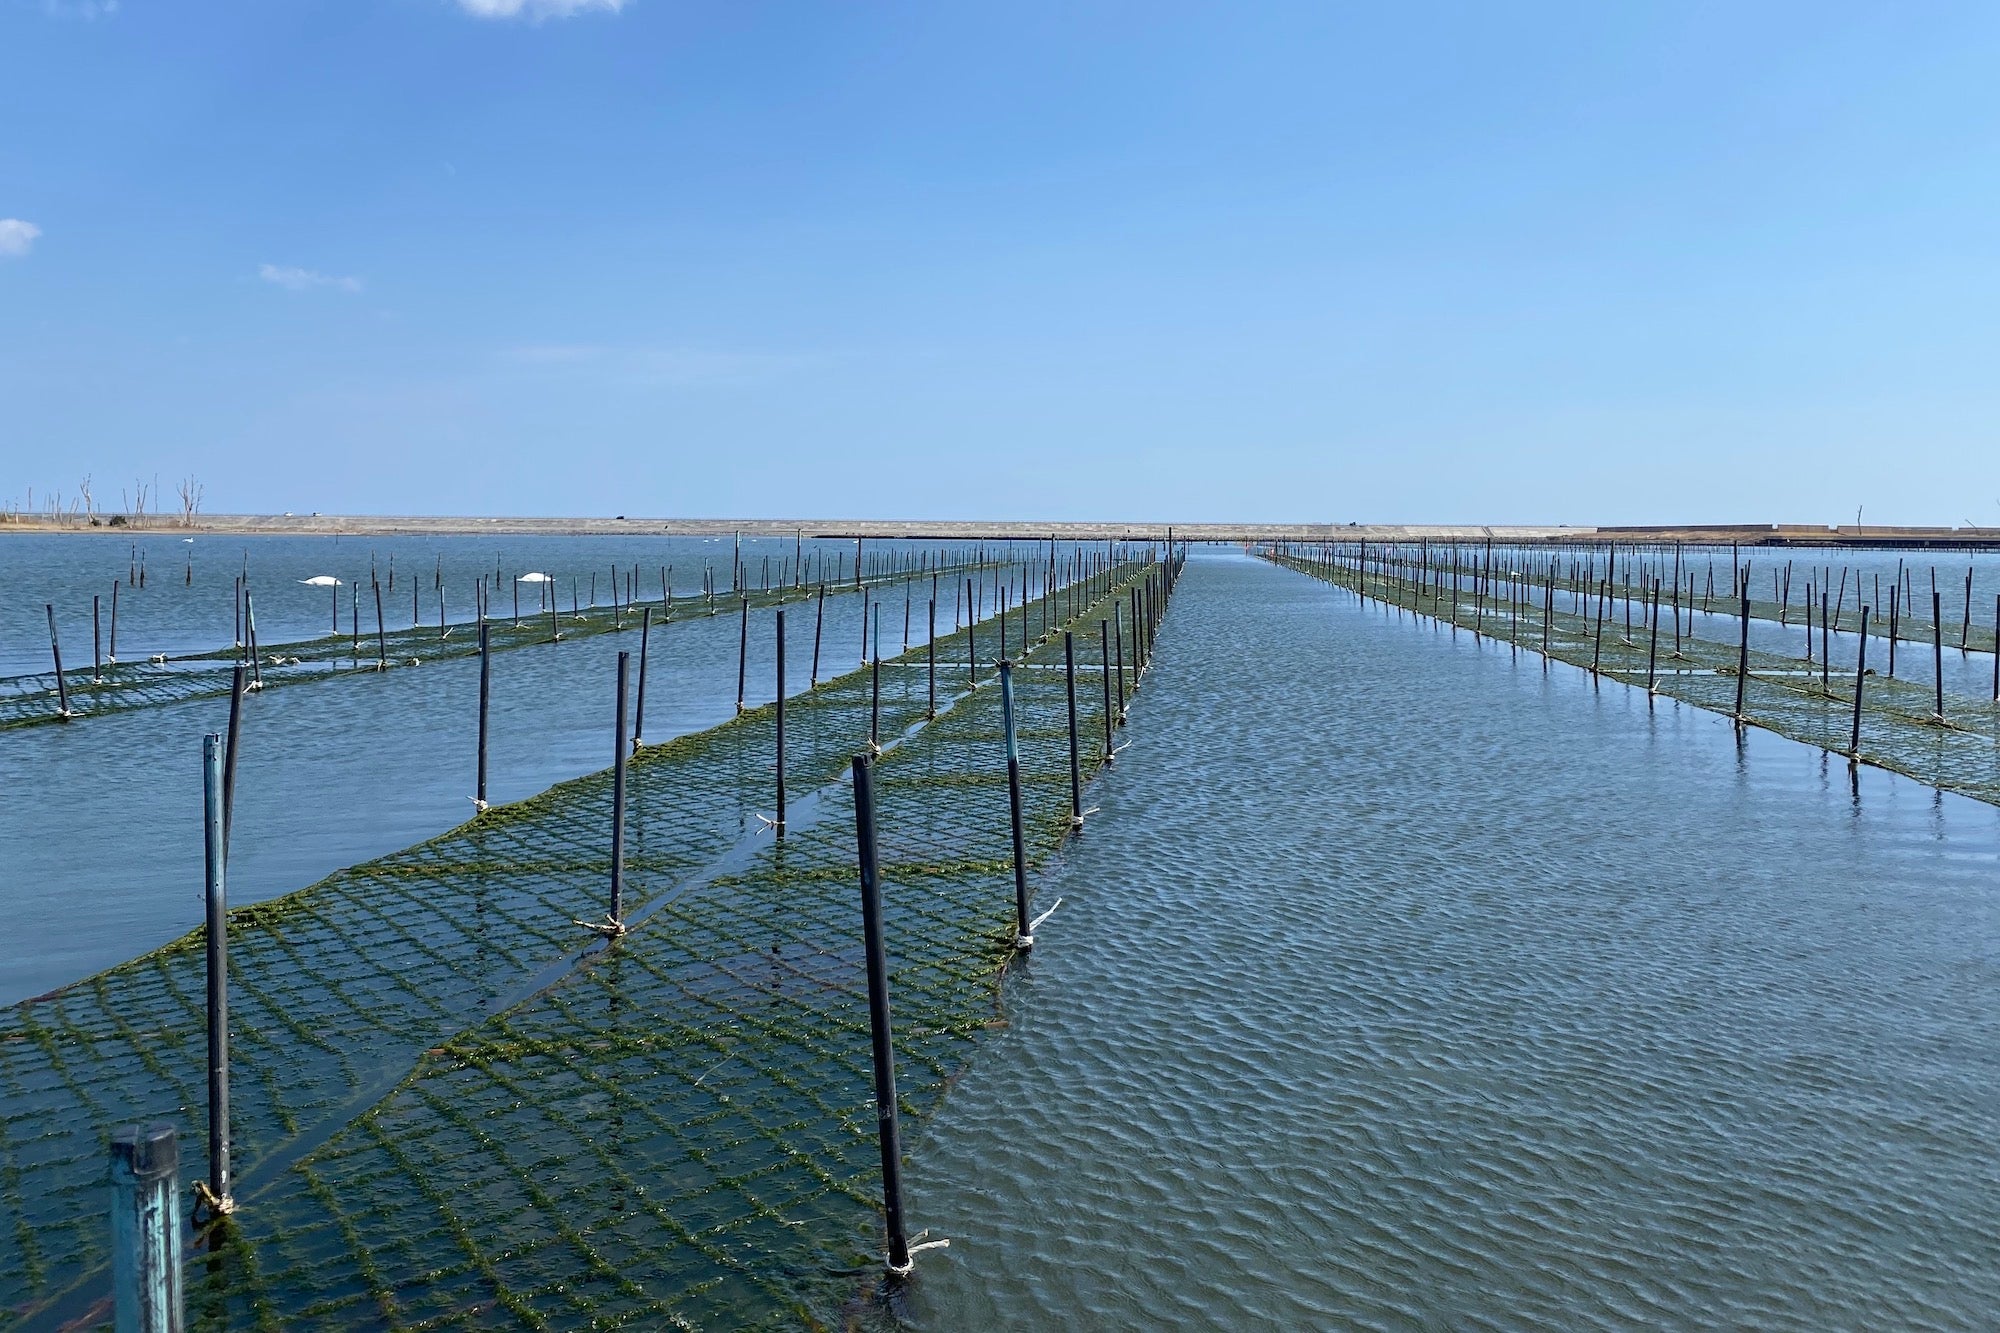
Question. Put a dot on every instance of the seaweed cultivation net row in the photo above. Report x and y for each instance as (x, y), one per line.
(34, 699)
(1706, 588)
(1900, 729)
(675, 1126)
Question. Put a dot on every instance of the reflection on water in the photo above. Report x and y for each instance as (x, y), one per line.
(1403, 982)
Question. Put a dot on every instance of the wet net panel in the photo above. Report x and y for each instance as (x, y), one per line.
(673, 1124)
(1901, 729)
(1706, 588)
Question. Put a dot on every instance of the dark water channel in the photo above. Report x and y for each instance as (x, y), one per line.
(1403, 982)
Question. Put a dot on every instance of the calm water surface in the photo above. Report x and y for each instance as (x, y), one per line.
(173, 615)
(1403, 983)
(100, 832)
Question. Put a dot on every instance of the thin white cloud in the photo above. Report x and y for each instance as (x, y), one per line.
(536, 10)
(17, 237)
(304, 279)
(80, 9)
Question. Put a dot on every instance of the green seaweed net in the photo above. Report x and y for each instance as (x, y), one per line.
(1900, 727)
(451, 1111)
(34, 699)
(1694, 587)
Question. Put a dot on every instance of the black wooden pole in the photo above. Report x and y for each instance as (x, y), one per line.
(229, 758)
(887, 1124)
(1743, 653)
(619, 749)
(780, 822)
(216, 937)
(250, 625)
(485, 699)
(1075, 761)
(1022, 938)
(743, 655)
(1937, 651)
(639, 713)
(1118, 645)
(875, 702)
(1860, 677)
(1597, 644)
(55, 647)
(1104, 657)
(819, 622)
(1548, 614)
(1825, 645)
(1895, 606)
(1653, 645)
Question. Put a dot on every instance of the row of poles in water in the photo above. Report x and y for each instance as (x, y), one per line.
(1429, 565)
(797, 572)
(1423, 577)
(144, 1171)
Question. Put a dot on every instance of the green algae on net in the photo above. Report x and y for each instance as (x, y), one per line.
(1540, 567)
(448, 1112)
(1900, 728)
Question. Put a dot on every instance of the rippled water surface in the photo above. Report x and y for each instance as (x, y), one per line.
(1405, 982)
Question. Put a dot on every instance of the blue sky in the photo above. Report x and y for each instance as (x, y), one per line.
(1482, 262)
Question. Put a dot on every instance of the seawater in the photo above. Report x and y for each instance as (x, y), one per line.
(1406, 981)
(100, 831)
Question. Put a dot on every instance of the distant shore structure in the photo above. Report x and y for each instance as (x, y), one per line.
(919, 529)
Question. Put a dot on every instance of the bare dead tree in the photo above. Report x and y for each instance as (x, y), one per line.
(190, 492)
(89, 501)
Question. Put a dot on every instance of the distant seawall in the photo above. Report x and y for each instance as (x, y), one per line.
(1745, 534)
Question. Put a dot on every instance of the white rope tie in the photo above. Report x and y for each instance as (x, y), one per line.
(903, 1270)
